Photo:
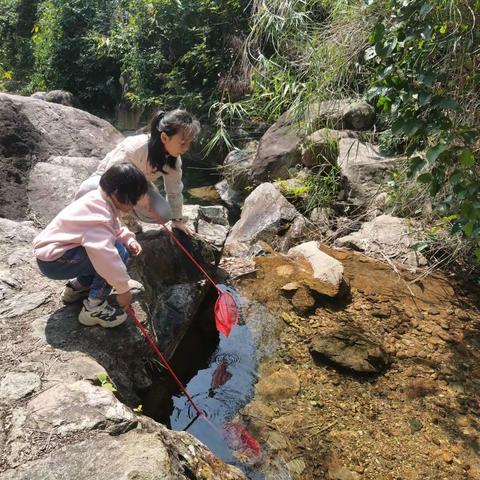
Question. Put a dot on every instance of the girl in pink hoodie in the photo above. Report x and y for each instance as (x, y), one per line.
(86, 243)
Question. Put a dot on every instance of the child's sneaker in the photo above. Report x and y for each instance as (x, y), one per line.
(70, 295)
(104, 315)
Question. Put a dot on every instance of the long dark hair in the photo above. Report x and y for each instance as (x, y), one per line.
(171, 123)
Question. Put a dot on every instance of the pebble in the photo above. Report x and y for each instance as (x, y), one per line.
(446, 457)
(463, 421)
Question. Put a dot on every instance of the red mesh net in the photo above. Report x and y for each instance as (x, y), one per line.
(226, 312)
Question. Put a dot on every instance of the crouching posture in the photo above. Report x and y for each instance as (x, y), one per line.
(87, 244)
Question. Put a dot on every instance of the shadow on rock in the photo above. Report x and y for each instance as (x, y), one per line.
(121, 351)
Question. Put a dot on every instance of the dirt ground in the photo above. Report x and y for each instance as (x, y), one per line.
(418, 420)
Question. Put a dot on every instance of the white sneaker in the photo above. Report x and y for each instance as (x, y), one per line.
(70, 295)
(104, 315)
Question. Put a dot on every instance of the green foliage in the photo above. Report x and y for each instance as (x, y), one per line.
(147, 52)
(318, 189)
(16, 23)
(299, 52)
(427, 85)
(105, 381)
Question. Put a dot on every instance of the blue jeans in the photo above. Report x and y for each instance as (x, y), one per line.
(75, 263)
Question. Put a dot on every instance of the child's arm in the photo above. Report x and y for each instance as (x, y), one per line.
(174, 188)
(128, 239)
(99, 242)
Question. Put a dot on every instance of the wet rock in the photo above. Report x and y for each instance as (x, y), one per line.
(302, 301)
(352, 349)
(266, 216)
(278, 385)
(327, 274)
(16, 385)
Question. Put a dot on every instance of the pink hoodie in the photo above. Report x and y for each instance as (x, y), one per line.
(91, 222)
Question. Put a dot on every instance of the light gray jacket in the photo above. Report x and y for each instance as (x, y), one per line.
(135, 150)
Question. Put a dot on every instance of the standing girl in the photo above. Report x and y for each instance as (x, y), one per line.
(156, 155)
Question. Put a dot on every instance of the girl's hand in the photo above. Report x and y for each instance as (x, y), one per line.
(125, 299)
(135, 248)
(179, 225)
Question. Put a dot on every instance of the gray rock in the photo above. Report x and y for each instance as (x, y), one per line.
(237, 167)
(15, 232)
(266, 216)
(39, 95)
(340, 115)
(23, 303)
(16, 385)
(135, 455)
(364, 168)
(352, 349)
(78, 407)
(212, 233)
(359, 116)
(231, 197)
(278, 150)
(35, 131)
(216, 214)
(45, 196)
(60, 96)
(390, 236)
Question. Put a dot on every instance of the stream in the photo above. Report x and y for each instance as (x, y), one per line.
(417, 420)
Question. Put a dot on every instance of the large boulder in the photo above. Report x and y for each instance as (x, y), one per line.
(34, 131)
(54, 410)
(175, 288)
(279, 149)
(237, 167)
(344, 114)
(364, 168)
(52, 185)
(268, 217)
(392, 237)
